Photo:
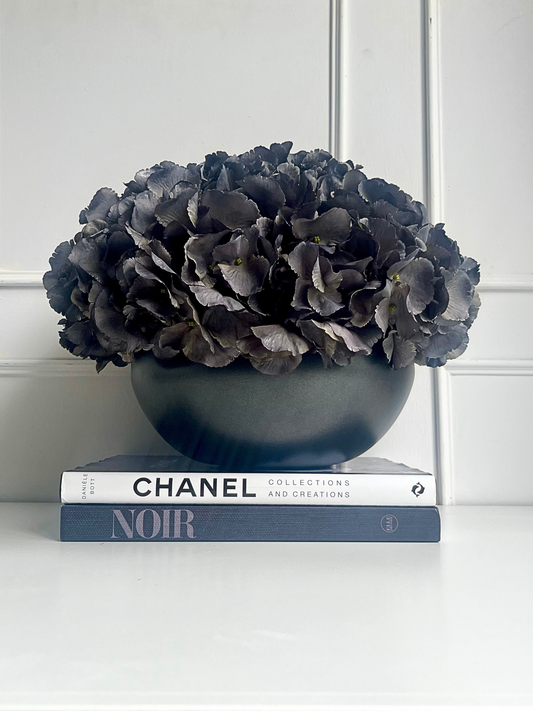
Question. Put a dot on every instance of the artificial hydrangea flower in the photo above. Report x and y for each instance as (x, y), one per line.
(267, 256)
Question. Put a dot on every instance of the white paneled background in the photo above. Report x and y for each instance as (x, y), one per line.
(433, 95)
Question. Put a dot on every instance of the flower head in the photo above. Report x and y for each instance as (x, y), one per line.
(267, 255)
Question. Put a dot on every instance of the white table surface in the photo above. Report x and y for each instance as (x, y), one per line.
(204, 626)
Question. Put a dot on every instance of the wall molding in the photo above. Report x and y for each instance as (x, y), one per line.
(433, 167)
(14, 278)
(521, 283)
(506, 283)
(507, 366)
(443, 436)
(62, 367)
(335, 89)
(431, 67)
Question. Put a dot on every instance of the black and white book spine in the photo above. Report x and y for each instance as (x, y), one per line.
(300, 488)
(197, 522)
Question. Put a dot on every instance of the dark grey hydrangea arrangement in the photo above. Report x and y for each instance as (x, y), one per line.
(267, 256)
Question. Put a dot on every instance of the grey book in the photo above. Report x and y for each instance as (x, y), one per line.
(235, 522)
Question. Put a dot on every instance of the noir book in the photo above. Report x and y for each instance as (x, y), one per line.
(198, 522)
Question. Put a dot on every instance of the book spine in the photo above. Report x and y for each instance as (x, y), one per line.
(104, 522)
(339, 489)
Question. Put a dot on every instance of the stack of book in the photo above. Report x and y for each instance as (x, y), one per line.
(153, 498)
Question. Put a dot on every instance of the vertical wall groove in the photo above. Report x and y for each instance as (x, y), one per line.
(424, 11)
(335, 87)
(434, 198)
(434, 111)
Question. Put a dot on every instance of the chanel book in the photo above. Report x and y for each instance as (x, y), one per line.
(238, 522)
(176, 480)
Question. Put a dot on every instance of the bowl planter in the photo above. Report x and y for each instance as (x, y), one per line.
(239, 419)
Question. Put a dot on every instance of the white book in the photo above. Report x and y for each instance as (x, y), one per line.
(365, 481)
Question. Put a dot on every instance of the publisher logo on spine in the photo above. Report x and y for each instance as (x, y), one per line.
(418, 489)
(389, 523)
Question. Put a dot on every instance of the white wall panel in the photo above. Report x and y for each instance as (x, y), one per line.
(54, 416)
(486, 74)
(490, 434)
(93, 90)
(502, 329)
(382, 97)
(28, 325)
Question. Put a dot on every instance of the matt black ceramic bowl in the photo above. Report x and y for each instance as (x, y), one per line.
(239, 419)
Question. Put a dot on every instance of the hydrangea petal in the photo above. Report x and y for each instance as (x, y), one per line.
(161, 181)
(332, 226)
(228, 327)
(175, 210)
(324, 304)
(400, 353)
(144, 211)
(103, 200)
(302, 260)
(234, 210)
(460, 295)
(281, 365)
(276, 338)
(212, 297)
(246, 278)
(442, 343)
(265, 192)
(419, 276)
